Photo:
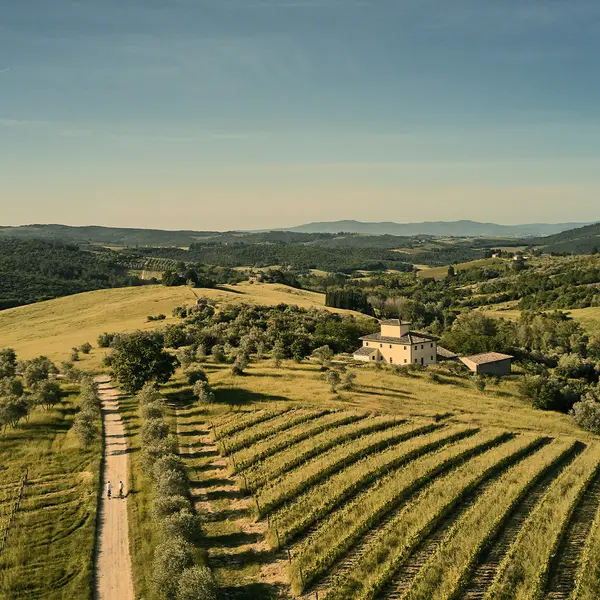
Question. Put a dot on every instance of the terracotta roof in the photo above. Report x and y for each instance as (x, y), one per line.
(365, 351)
(488, 357)
(394, 322)
(446, 353)
(412, 337)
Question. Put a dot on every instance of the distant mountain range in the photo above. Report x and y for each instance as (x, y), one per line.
(117, 236)
(436, 228)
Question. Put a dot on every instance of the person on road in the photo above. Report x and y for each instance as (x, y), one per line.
(108, 489)
(120, 489)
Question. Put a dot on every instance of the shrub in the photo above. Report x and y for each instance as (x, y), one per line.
(37, 370)
(203, 392)
(154, 429)
(324, 354)
(170, 559)
(8, 363)
(479, 383)
(159, 317)
(47, 394)
(171, 483)
(168, 462)
(85, 348)
(85, 428)
(240, 364)
(152, 452)
(105, 340)
(152, 410)
(74, 355)
(201, 353)
(333, 379)
(195, 374)
(435, 378)
(196, 583)
(186, 357)
(218, 354)
(586, 414)
(175, 336)
(278, 353)
(349, 381)
(182, 524)
(167, 505)
(149, 393)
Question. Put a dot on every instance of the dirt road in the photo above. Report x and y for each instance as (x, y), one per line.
(113, 564)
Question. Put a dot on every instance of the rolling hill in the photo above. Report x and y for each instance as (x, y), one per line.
(582, 240)
(120, 236)
(436, 228)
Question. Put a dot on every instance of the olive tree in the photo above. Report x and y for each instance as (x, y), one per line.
(139, 358)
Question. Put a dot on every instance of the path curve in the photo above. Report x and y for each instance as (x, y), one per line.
(113, 563)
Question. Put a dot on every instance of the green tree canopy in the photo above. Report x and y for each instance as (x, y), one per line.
(139, 358)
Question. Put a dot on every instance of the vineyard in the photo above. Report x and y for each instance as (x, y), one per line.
(348, 505)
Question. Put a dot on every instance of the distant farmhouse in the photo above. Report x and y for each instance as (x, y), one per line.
(396, 344)
(490, 363)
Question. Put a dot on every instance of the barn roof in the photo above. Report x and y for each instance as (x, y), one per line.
(394, 322)
(365, 351)
(487, 357)
(446, 353)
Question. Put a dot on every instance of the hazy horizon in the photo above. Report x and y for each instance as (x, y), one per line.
(257, 114)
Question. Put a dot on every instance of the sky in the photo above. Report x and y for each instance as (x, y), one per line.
(248, 114)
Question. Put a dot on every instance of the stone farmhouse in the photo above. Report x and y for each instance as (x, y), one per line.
(396, 344)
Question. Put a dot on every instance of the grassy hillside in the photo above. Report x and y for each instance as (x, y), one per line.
(49, 548)
(54, 327)
(441, 272)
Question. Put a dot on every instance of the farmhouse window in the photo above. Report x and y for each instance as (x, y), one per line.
(391, 361)
(432, 345)
(381, 345)
(405, 361)
(372, 358)
(432, 358)
(367, 343)
(421, 346)
(405, 347)
(390, 345)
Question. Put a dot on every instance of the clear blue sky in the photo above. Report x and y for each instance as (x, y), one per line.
(223, 114)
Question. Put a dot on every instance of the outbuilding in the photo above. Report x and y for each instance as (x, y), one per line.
(490, 363)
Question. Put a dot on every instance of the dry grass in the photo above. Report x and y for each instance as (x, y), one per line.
(441, 272)
(54, 327)
(381, 390)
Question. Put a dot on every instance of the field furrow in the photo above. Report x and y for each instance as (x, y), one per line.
(487, 565)
(296, 481)
(567, 562)
(304, 442)
(251, 435)
(523, 574)
(298, 517)
(479, 471)
(245, 421)
(441, 576)
(345, 527)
